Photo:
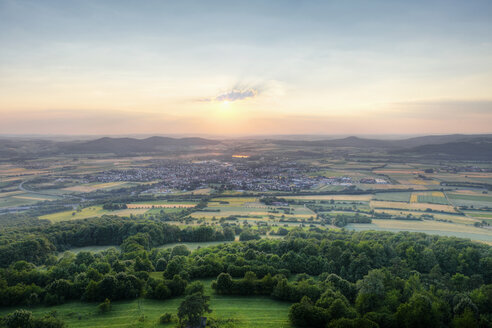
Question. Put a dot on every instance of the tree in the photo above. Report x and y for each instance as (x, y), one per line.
(305, 314)
(417, 312)
(224, 283)
(181, 250)
(194, 287)
(192, 308)
(465, 320)
(371, 291)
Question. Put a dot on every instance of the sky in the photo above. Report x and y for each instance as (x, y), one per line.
(245, 67)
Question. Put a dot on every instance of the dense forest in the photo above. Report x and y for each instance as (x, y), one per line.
(333, 278)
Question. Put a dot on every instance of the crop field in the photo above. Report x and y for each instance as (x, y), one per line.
(412, 206)
(234, 201)
(150, 205)
(95, 186)
(248, 312)
(13, 202)
(391, 186)
(434, 197)
(334, 197)
(461, 219)
(479, 214)
(393, 196)
(474, 200)
(254, 211)
(430, 227)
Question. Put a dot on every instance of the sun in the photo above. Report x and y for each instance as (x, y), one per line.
(226, 102)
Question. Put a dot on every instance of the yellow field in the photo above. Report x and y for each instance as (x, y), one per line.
(412, 206)
(235, 201)
(94, 187)
(415, 196)
(90, 212)
(85, 213)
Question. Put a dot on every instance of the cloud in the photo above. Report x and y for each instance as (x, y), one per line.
(234, 94)
(237, 94)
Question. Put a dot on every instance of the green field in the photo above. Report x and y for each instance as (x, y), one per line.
(429, 227)
(393, 196)
(247, 311)
(432, 199)
(251, 209)
(471, 200)
(94, 249)
(90, 212)
(192, 246)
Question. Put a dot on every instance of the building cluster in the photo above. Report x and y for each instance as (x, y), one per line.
(189, 175)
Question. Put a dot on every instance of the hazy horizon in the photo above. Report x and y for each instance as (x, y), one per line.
(256, 68)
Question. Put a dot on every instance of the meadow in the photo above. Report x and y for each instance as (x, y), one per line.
(247, 312)
(90, 212)
(429, 227)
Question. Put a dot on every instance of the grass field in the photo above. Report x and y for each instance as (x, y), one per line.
(479, 214)
(461, 199)
(412, 206)
(248, 312)
(192, 246)
(393, 196)
(334, 197)
(438, 216)
(90, 212)
(94, 249)
(252, 209)
(149, 205)
(430, 227)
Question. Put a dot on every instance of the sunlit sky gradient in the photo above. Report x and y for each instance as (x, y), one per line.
(245, 67)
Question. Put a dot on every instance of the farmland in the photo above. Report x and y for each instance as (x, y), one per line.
(196, 215)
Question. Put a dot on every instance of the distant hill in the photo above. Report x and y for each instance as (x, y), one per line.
(132, 145)
(357, 142)
(473, 149)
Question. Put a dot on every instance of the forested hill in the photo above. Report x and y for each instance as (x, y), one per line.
(132, 145)
(474, 149)
(408, 143)
(332, 278)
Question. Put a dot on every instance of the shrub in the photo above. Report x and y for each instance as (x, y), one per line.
(166, 318)
(105, 306)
